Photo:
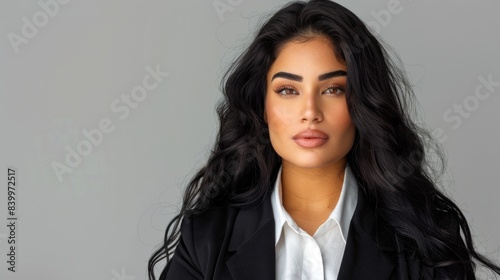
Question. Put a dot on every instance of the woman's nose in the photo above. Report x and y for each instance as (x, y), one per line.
(311, 109)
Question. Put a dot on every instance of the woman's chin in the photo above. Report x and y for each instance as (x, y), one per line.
(310, 163)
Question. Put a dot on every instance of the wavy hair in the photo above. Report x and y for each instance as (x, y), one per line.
(389, 158)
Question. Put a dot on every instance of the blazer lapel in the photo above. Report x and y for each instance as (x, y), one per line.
(252, 242)
(252, 249)
(363, 258)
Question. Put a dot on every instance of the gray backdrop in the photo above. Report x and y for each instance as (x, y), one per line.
(107, 110)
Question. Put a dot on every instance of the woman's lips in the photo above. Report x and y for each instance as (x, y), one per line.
(311, 138)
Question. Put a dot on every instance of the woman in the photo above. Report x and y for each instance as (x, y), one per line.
(318, 172)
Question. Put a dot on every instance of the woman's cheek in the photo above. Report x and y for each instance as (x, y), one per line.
(279, 118)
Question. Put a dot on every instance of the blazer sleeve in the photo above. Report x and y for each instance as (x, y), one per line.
(184, 263)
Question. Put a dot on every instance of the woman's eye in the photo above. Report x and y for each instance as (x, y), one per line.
(335, 90)
(285, 91)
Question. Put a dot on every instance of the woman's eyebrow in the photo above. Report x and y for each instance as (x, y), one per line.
(298, 78)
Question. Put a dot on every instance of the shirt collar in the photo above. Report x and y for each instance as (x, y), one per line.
(342, 213)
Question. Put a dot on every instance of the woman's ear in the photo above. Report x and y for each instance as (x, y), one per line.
(265, 116)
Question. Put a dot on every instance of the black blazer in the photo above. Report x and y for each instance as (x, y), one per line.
(238, 244)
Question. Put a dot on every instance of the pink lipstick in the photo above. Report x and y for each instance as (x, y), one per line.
(311, 138)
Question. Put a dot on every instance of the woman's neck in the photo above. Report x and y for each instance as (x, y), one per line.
(310, 194)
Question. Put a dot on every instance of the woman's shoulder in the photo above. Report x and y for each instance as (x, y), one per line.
(211, 217)
(209, 226)
(221, 222)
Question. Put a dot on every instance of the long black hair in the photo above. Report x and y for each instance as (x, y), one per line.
(390, 158)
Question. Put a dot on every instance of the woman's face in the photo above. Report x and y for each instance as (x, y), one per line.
(306, 91)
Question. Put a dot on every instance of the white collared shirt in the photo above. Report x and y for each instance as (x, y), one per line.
(300, 256)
